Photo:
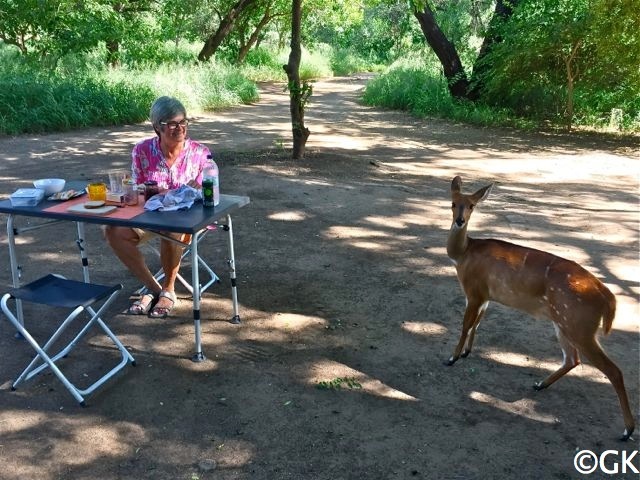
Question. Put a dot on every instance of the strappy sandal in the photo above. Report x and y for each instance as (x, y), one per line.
(142, 307)
(163, 312)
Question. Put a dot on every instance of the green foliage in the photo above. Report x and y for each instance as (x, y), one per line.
(338, 382)
(345, 61)
(58, 43)
(32, 100)
(374, 31)
(420, 88)
(558, 51)
(31, 103)
(314, 63)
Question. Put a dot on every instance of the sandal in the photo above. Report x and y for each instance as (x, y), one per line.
(163, 312)
(142, 307)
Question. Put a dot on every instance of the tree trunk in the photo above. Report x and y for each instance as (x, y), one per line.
(244, 49)
(572, 75)
(113, 53)
(226, 24)
(445, 51)
(298, 93)
(504, 9)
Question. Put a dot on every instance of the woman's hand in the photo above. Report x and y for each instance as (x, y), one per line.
(194, 184)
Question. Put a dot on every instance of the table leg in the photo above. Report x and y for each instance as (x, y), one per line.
(195, 284)
(15, 269)
(232, 273)
(83, 252)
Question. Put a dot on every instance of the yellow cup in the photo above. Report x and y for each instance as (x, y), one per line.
(98, 191)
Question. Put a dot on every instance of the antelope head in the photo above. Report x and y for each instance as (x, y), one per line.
(462, 205)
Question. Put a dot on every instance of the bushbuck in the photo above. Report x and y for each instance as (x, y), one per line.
(536, 282)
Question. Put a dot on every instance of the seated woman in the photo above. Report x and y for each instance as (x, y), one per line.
(171, 159)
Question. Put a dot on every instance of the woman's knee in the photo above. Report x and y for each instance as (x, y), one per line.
(120, 235)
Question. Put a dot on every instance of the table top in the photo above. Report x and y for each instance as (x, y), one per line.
(181, 221)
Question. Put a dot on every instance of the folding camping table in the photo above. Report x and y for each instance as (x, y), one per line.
(193, 221)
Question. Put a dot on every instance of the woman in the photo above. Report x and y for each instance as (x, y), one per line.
(171, 159)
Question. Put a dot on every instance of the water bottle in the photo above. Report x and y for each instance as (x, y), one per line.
(210, 184)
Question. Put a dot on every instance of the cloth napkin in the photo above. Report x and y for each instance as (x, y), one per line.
(181, 198)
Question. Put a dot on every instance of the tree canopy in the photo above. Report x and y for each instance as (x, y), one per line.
(554, 59)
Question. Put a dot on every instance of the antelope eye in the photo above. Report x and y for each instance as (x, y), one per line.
(471, 206)
(453, 205)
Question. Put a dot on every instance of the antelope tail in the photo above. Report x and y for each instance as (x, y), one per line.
(608, 313)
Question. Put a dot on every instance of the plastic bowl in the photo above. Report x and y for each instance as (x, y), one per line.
(50, 185)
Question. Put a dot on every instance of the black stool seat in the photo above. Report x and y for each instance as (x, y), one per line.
(79, 297)
(61, 292)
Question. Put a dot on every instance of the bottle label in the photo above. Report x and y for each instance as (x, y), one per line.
(207, 192)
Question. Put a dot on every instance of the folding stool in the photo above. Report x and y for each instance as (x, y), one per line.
(57, 291)
(186, 253)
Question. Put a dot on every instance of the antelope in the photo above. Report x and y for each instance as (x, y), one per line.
(536, 282)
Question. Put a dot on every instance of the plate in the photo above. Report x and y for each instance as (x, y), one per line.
(66, 195)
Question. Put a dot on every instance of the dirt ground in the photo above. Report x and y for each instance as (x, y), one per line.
(349, 307)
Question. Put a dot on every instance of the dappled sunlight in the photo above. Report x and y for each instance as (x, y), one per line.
(627, 311)
(624, 269)
(545, 167)
(583, 371)
(283, 173)
(344, 141)
(363, 238)
(438, 251)
(279, 327)
(292, 322)
(407, 220)
(316, 183)
(19, 420)
(424, 328)
(355, 232)
(78, 442)
(289, 216)
(522, 408)
(329, 370)
(417, 168)
(235, 454)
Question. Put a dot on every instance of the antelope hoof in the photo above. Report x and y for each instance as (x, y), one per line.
(539, 386)
(627, 434)
(451, 361)
(465, 353)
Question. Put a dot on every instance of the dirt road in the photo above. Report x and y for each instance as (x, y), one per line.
(349, 307)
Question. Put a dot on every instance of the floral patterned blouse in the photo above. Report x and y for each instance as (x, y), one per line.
(149, 163)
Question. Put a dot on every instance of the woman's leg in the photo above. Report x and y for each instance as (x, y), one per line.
(124, 242)
(170, 253)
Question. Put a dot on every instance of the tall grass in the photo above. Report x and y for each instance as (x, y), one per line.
(417, 86)
(81, 91)
(33, 100)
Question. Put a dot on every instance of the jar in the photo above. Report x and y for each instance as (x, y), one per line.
(130, 191)
(150, 189)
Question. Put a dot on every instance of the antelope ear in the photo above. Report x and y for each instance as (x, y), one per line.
(483, 193)
(456, 184)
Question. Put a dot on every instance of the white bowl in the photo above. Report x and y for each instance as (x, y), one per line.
(50, 185)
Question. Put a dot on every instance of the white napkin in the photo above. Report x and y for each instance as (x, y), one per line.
(182, 198)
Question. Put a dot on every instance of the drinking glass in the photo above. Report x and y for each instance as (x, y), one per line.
(98, 191)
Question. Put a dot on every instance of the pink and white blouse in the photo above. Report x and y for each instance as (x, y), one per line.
(149, 164)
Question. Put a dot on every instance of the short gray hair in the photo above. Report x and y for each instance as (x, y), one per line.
(165, 108)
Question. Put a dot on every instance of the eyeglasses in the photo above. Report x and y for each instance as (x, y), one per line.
(173, 125)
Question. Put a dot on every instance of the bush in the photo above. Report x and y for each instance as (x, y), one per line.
(421, 89)
(38, 101)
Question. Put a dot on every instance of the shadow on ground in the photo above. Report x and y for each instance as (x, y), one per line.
(349, 307)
